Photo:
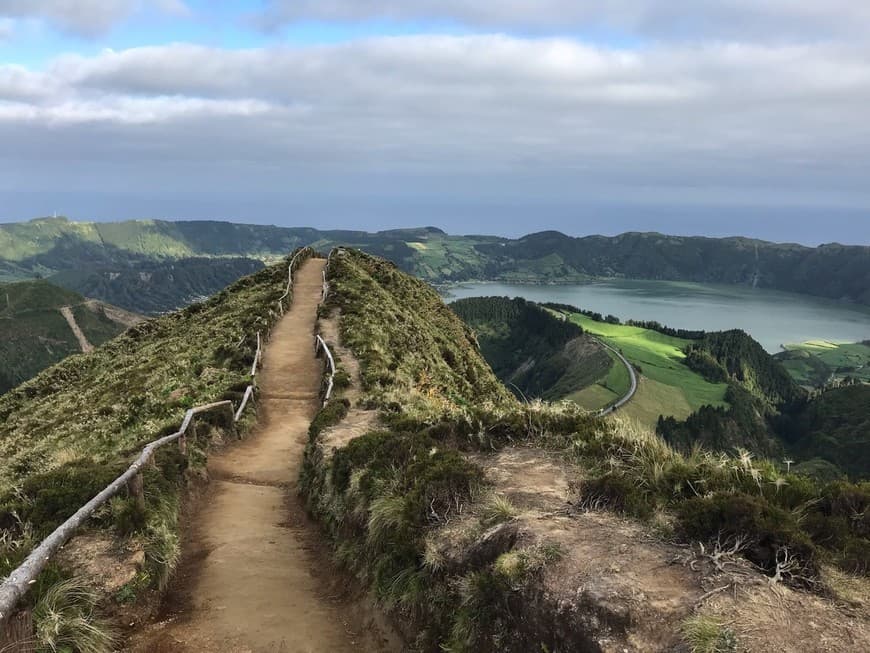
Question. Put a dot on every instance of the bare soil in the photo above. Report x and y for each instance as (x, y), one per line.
(256, 574)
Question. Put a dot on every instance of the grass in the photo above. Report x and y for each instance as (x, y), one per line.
(814, 361)
(705, 634)
(659, 358)
(415, 354)
(65, 620)
(35, 334)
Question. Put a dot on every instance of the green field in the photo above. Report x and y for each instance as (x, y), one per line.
(667, 386)
(816, 361)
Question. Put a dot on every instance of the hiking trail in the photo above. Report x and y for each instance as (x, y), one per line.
(256, 575)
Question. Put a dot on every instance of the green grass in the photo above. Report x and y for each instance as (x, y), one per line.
(416, 355)
(839, 359)
(660, 359)
(593, 397)
(100, 408)
(35, 334)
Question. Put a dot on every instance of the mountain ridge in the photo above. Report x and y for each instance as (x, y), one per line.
(835, 271)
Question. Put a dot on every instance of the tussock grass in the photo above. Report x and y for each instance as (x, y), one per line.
(705, 634)
(65, 620)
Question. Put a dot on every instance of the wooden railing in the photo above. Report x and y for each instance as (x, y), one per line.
(16, 585)
(320, 345)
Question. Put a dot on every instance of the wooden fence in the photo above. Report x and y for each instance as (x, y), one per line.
(16, 629)
(320, 345)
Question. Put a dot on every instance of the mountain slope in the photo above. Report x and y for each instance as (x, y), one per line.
(532, 350)
(41, 324)
(49, 245)
(485, 524)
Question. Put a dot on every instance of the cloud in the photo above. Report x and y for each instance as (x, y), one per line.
(492, 116)
(87, 18)
(687, 19)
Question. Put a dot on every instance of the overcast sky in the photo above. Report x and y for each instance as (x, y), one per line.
(479, 116)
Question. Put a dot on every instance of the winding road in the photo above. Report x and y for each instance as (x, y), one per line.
(632, 375)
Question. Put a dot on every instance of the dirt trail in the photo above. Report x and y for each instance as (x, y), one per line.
(256, 576)
(67, 313)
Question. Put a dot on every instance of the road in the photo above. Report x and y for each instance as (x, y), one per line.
(632, 375)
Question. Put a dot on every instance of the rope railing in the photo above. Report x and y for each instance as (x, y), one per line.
(19, 581)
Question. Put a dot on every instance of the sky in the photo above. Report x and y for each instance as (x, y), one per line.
(712, 117)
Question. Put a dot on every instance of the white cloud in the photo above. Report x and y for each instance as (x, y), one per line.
(687, 19)
(85, 17)
(553, 114)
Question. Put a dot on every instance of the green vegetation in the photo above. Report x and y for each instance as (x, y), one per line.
(415, 354)
(65, 434)
(818, 362)
(534, 352)
(833, 427)
(152, 288)
(46, 246)
(707, 635)
(35, 333)
(734, 356)
(675, 390)
(394, 501)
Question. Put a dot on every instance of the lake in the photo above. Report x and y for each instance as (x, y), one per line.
(771, 317)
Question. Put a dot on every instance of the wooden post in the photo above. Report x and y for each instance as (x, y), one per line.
(231, 421)
(182, 445)
(136, 487)
(17, 635)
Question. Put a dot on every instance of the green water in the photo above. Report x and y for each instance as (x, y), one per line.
(773, 318)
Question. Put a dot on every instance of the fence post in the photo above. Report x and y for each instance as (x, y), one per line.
(231, 421)
(17, 635)
(136, 487)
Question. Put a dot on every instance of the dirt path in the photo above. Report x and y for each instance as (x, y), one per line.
(256, 576)
(67, 313)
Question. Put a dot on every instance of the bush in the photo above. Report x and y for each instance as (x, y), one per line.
(768, 527)
(618, 493)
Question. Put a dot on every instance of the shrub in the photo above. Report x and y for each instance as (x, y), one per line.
(617, 492)
(769, 528)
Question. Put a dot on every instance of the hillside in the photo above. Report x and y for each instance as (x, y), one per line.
(65, 434)
(835, 427)
(817, 363)
(153, 288)
(46, 246)
(531, 350)
(483, 524)
(38, 322)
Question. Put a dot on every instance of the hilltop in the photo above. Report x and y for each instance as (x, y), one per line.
(43, 323)
(71, 249)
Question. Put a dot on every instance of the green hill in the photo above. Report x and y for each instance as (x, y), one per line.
(818, 362)
(835, 427)
(531, 350)
(155, 287)
(34, 333)
(50, 245)
(68, 432)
